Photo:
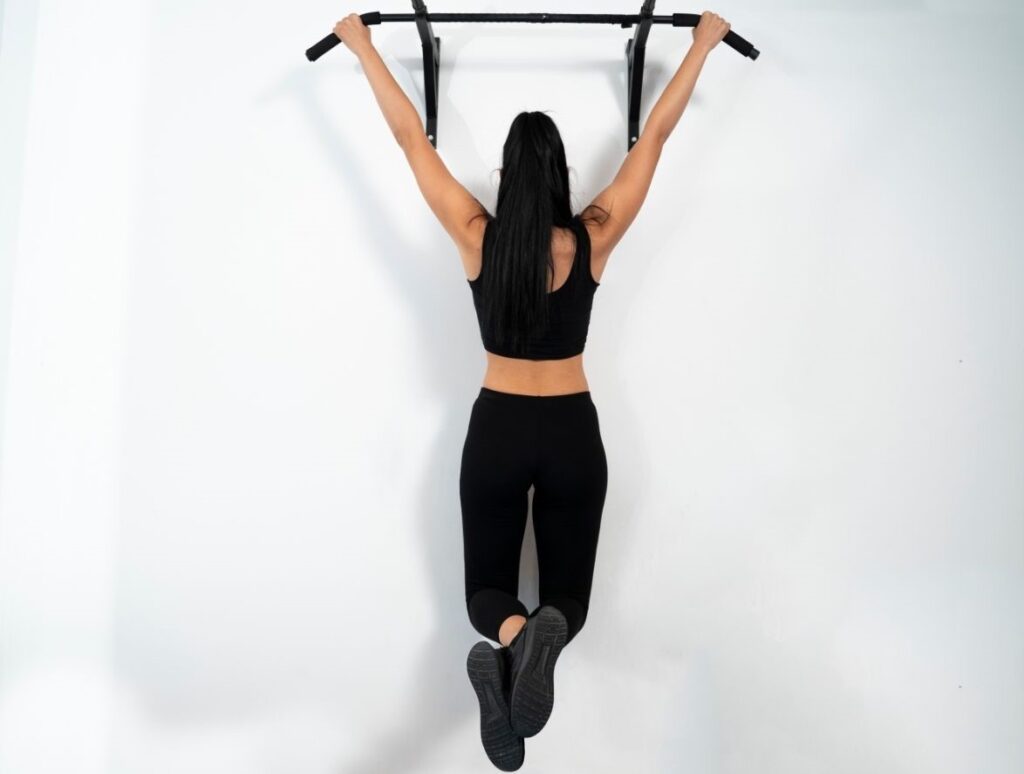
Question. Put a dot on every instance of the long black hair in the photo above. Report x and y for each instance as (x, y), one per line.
(533, 199)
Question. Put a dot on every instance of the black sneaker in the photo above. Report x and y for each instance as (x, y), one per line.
(489, 674)
(534, 651)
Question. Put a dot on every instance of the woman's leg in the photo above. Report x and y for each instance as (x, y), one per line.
(568, 499)
(494, 485)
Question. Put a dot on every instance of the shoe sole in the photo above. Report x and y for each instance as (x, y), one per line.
(533, 689)
(504, 748)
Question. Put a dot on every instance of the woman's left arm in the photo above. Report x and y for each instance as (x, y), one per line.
(398, 111)
(453, 205)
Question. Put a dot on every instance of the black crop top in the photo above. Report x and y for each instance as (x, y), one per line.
(569, 318)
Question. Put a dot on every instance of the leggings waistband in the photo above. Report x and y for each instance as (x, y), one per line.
(517, 397)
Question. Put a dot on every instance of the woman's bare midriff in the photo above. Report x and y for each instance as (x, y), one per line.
(540, 377)
(535, 377)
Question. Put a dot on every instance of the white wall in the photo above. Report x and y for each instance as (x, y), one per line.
(242, 354)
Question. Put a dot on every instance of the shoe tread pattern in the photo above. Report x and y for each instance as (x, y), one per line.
(534, 657)
(504, 748)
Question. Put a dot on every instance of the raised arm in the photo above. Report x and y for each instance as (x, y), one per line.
(624, 195)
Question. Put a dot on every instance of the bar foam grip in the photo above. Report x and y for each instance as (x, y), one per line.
(730, 39)
(321, 47)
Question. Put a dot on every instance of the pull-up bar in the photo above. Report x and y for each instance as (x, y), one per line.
(635, 46)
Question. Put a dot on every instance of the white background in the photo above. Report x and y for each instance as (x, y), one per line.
(239, 355)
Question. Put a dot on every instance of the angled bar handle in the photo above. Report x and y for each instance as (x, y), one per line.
(731, 38)
(324, 45)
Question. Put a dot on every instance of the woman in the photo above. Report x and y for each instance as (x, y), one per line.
(533, 269)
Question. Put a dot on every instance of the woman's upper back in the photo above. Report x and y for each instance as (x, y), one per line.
(570, 302)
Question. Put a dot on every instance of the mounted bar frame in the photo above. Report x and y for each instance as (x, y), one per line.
(431, 66)
(636, 47)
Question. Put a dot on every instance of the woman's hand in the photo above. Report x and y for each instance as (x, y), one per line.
(709, 30)
(354, 34)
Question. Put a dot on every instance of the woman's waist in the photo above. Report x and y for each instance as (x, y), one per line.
(535, 377)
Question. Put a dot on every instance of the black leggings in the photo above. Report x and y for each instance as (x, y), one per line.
(554, 443)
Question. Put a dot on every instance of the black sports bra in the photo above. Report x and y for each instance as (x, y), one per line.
(569, 321)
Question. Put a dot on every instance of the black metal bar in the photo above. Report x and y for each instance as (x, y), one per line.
(431, 66)
(635, 47)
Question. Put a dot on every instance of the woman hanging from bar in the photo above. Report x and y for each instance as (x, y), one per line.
(532, 268)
